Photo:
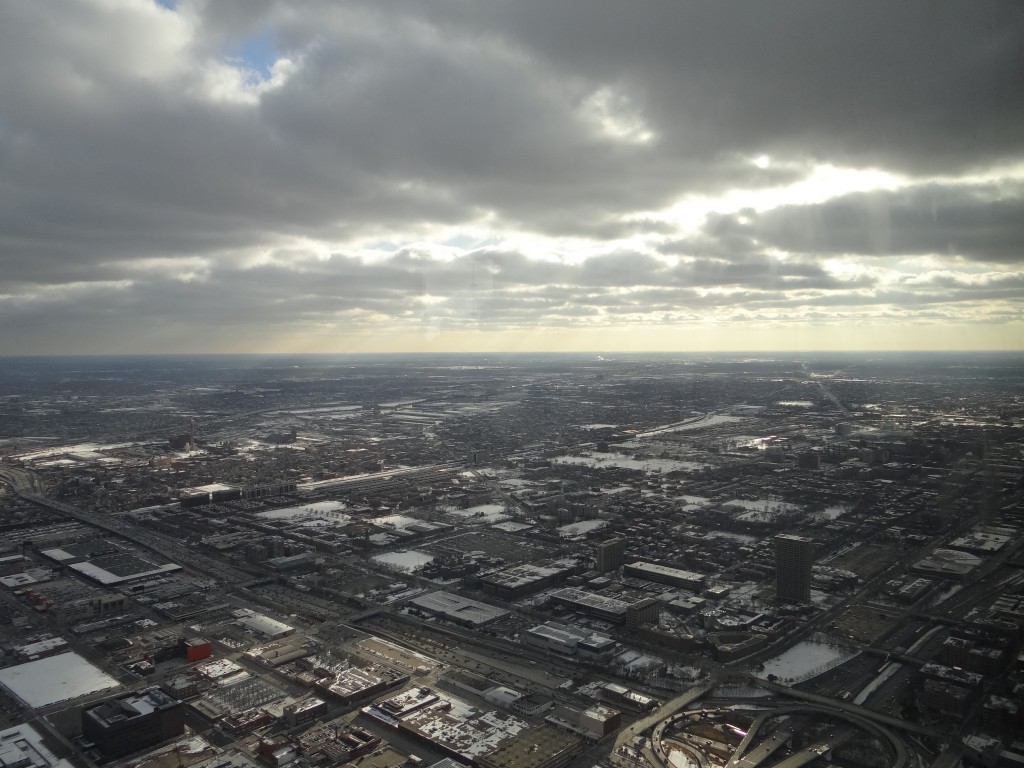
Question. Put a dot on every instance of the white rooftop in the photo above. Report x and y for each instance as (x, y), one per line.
(105, 577)
(262, 624)
(23, 746)
(54, 679)
(208, 488)
(457, 607)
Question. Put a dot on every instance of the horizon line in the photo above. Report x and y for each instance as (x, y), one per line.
(548, 353)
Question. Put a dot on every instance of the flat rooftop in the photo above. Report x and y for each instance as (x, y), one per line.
(262, 624)
(590, 600)
(947, 562)
(133, 706)
(55, 679)
(568, 635)
(793, 537)
(665, 571)
(522, 575)
(459, 608)
(353, 680)
(22, 746)
(532, 748)
(115, 569)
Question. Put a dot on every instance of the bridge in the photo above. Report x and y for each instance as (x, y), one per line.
(752, 754)
(655, 719)
(760, 755)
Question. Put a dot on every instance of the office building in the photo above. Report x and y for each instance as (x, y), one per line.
(127, 724)
(570, 641)
(642, 612)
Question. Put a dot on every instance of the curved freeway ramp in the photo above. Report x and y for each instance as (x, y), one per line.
(656, 718)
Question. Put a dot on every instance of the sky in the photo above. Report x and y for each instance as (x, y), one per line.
(219, 176)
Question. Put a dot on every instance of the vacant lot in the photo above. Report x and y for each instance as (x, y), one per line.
(864, 623)
(867, 560)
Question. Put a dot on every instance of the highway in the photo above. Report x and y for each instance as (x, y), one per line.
(25, 485)
(850, 709)
(21, 481)
(825, 390)
(627, 735)
(741, 759)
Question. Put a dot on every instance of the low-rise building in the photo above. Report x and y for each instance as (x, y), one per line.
(592, 723)
(520, 581)
(665, 575)
(601, 606)
(22, 747)
(532, 705)
(569, 641)
(458, 609)
(626, 698)
(542, 747)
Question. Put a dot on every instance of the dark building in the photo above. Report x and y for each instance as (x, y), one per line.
(809, 460)
(794, 556)
(610, 554)
(125, 725)
(643, 612)
(521, 580)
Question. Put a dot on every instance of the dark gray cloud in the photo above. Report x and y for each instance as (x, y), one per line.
(916, 85)
(982, 222)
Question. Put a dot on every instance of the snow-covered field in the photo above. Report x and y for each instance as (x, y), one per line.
(482, 513)
(806, 659)
(575, 530)
(619, 461)
(405, 562)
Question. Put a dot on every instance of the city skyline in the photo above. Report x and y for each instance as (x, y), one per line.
(275, 177)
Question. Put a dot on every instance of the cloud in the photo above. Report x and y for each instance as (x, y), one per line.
(267, 167)
(979, 222)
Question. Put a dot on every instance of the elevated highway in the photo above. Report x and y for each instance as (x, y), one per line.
(656, 719)
(754, 753)
(851, 709)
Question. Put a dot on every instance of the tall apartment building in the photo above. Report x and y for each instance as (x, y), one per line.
(794, 556)
(610, 554)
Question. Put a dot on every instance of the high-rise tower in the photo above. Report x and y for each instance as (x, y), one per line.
(610, 554)
(794, 556)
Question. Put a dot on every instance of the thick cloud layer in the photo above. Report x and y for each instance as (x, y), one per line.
(229, 175)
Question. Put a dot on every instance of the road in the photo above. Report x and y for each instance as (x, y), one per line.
(169, 548)
(676, 425)
(825, 390)
(627, 735)
(850, 709)
(21, 481)
(26, 485)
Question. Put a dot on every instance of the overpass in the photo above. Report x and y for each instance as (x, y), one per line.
(742, 759)
(760, 755)
(657, 718)
(850, 709)
(879, 725)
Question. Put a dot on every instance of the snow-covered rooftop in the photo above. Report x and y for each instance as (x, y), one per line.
(54, 679)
